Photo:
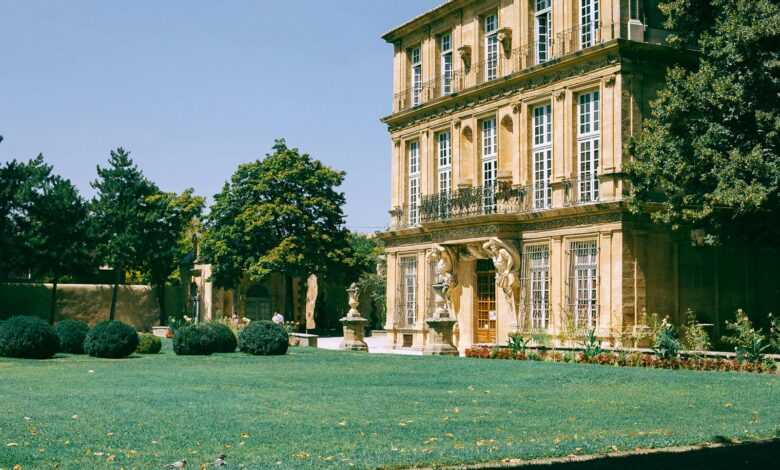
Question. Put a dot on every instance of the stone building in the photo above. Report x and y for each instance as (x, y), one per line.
(508, 128)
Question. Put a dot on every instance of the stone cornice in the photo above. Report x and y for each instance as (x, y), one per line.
(505, 225)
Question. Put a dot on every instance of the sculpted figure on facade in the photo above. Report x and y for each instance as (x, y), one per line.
(504, 262)
(443, 265)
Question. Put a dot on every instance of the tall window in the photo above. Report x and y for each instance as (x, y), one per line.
(409, 289)
(537, 258)
(584, 283)
(414, 182)
(588, 142)
(444, 143)
(543, 39)
(416, 60)
(489, 165)
(491, 47)
(589, 23)
(542, 156)
(445, 46)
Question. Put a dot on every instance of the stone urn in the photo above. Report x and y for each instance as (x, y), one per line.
(439, 342)
(354, 324)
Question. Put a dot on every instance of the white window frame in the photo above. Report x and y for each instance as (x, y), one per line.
(415, 57)
(413, 155)
(543, 30)
(445, 47)
(542, 156)
(444, 152)
(588, 146)
(408, 270)
(537, 259)
(585, 283)
(489, 164)
(492, 55)
(589, 23)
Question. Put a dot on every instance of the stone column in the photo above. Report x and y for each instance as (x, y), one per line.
(354, 324)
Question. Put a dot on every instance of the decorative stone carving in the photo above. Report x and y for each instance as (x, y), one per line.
(559, 94)
(504, 36)
(396, 215)
(465, 56)
(506, 260)
(609, 81)
(439, 341)
(443, 259)
(354, 323)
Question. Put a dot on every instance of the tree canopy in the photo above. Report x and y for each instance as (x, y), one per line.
(118, 207)
(707, 157)
(280, 214)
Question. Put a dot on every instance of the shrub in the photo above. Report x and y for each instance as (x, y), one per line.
(517, 343)
(695, 337)
(148, 344)
(666, 345)
(226, 339)
(591, 346)
(111, 339)
(72, 334)
(200, 339)
(28, 337)
(263, 338)
(750, 344)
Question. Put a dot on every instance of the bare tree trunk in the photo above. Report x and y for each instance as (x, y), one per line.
(53, 303)
(161, 301)
(112, 312)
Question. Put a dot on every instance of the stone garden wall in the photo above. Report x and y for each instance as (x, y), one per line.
(136, 304)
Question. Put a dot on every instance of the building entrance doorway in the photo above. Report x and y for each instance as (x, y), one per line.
(258, 303)
(485, 313)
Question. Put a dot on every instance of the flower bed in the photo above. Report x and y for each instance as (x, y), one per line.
(623, 359)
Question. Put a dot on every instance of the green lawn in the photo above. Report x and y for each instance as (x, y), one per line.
(318, 409)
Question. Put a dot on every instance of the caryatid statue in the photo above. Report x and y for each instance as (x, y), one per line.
(443, 266)
(504, 262)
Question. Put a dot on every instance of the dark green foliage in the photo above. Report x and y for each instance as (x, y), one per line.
(148, 344)
(196, 340)
(709, 155)
(28, 337)
(118, 210)
(72, 334)
(263, 338)
(750, 344)
(227, 341)
(591, 347)
(111, 339)
(280, 214)
(666, 344)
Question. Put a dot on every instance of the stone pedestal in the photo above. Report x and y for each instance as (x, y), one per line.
(354, 324)
(439, 341)
(354, 329)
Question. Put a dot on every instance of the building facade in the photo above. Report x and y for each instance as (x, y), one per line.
(508, 128)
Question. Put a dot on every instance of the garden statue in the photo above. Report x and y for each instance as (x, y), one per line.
(506, 263)
(442, 259)
(354, 323)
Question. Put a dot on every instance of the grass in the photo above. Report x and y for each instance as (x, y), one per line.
(320, 409)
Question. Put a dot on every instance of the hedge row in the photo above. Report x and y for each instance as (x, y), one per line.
(625, 360)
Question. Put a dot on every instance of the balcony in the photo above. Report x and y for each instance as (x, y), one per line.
(523, 58)
(503, 198)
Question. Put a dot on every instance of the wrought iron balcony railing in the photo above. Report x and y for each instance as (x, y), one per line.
(528, 55)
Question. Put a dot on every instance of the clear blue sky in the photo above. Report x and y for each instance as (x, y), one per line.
(193, 88)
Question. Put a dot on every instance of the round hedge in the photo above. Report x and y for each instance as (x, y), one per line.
(196, 340)
(72, 334)
(28, 337)
(227, 339)
(263, 338)
(148, 344)
(111, 339)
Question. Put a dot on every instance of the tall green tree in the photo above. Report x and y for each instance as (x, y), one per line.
(166, 217)
(119, 216)
(707, 157)
(280, 214)
(18, 182)
(59, 237)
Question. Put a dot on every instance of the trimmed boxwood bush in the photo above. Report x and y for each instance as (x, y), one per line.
(72, 334)
(111, 339)
(227, 341)
(148, 344)
(196, 340)
(263, 338)
(28, 337)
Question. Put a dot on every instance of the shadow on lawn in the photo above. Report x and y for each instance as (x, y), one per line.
(755, 455)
